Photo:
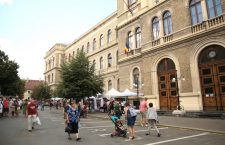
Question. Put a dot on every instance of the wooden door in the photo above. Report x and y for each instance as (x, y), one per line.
(168, 89)
(212, 77)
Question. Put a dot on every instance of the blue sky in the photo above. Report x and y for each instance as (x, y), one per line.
(29, 28)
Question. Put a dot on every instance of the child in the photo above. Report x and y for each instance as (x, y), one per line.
(152, 118)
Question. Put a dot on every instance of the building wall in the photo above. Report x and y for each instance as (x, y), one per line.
(183, 47)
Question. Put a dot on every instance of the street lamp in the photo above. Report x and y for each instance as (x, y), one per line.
(177, 88)
(137, 85)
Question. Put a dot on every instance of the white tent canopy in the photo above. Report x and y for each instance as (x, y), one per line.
(113, 93)
(127, 92)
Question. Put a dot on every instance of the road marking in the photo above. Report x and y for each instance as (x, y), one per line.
(104, 135)
(175, 139)
(96, 130)
(136, 138)
(95, 122)
(96, 126)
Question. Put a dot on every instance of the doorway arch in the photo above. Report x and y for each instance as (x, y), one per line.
(168, 86)
(211, 64)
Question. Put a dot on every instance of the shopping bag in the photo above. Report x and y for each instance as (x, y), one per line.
(38, 121)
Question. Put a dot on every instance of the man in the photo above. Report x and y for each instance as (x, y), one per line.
(5, 107)
(143, 109)
(31, 114)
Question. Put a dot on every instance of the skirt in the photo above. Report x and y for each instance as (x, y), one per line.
(131, 121)
(72, 128)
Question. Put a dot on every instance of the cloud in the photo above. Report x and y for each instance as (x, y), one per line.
(6, 2)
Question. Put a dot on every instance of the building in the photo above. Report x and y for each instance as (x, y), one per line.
(29, 87)
(176, 49)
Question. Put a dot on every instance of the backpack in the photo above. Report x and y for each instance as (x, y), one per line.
(132, 112)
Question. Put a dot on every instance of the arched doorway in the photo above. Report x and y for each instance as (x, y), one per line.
(167, 83)
(211, 63)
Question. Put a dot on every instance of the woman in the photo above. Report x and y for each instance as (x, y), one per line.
(72, 120)
(130, 120)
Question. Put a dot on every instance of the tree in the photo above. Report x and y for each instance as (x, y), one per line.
(9, 79)
(41, 91)
(79, 79)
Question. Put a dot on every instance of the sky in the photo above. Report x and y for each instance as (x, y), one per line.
(29, 28)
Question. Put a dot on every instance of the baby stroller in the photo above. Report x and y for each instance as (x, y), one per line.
(120, 130)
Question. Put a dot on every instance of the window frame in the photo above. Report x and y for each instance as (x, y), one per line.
(109, 34)
(196, 4)
(167, 23)
(109, 60)
(138, 37)
(215, 8)
(155, 24)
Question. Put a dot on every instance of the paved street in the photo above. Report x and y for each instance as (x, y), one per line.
(96, 130)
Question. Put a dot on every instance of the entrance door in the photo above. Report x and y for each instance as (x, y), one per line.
(212, 77)
(213, 86)
(167, 83)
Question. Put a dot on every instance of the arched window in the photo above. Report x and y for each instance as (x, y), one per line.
(82, 48)
(109, 60)
(196, 11)
(214, 8)
(155, 28)
(136, 76)
(94, 63)
(88, 47)
(138, 37)
(167, 23)
(101, 63)
(109, 36)
(130, 35)
(53, 61)
(101, 40)
(94, 44)
(109, 84)
(69, 57)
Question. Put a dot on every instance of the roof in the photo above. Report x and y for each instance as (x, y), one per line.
(31, 84)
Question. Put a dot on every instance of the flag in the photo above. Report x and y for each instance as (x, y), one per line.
(127, 47)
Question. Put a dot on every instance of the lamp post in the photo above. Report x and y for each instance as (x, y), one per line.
(137, 85)
(175, 79)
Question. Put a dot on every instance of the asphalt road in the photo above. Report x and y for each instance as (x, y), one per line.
(93, 131)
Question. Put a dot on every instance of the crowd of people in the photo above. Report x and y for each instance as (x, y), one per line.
(74, 110)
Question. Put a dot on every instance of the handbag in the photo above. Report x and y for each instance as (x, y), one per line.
(68, 128)
(38, 121)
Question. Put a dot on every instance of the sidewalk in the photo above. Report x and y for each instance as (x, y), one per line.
(201, 124)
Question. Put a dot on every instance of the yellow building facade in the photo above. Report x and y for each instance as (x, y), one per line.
(176, 52)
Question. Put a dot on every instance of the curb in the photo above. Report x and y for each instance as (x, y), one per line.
(172, 126)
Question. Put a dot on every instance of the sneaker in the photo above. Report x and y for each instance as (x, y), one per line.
(78, 139)
(159, 135)
(147, 134)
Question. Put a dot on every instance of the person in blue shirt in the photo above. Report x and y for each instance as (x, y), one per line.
(72, 119)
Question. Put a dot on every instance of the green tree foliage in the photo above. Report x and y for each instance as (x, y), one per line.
(79, 79)
(41, 91)
(9, 79)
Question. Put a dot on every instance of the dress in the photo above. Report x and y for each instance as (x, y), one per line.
(73, 115)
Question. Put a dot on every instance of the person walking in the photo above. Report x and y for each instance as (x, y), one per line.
(131, 118)
(152, 119)
(24, 107)
(143, 108)
(31, 114)
(72, 120)
(5, 107)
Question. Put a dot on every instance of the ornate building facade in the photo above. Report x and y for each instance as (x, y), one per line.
(176, 52)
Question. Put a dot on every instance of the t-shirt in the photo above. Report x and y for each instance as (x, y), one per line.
(6, 104)
(73, 115)
(143, 106)
(31, 109)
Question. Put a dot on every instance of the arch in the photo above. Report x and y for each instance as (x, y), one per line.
(194, 55)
